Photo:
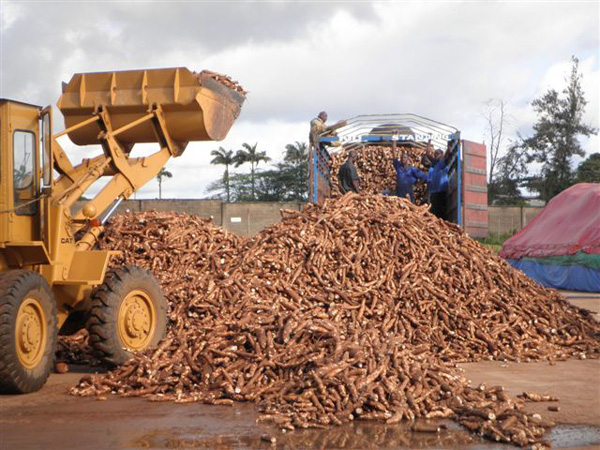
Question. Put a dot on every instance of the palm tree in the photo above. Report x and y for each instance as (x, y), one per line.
(249, 154)
(226, 158)
(163, 173)
(297, 156)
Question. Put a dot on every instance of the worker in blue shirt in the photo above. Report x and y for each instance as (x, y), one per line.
(437, 183)
(406, 177)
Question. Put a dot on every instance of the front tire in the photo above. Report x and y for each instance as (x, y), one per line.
(128, 314)
(28, 330)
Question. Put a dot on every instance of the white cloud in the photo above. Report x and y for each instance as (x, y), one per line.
(440, 60)
(9, 13)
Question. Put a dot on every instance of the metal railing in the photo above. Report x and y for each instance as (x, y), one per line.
(390, 129)
(406, 127)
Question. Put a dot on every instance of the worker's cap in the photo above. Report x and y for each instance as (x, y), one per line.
(322, 113)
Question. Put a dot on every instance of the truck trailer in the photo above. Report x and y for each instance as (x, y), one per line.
(467, 187)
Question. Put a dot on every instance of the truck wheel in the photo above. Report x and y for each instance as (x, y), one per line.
(128, 314)
(28, 331)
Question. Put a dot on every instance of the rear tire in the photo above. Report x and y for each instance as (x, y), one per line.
(128, 314)
(28, 330)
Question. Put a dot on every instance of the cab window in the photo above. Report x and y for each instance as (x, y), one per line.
(46, 151)
(23, 172)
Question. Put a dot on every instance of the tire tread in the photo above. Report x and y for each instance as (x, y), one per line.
(14, 286)
(106, 301)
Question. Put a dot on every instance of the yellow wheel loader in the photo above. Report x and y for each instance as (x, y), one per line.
(51, 278)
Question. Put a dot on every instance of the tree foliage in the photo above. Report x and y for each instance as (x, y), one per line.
(295, 164)
(284, 181)
(507, 171)
(555, 139)
(589, 170)
(511, 172)
(225, 158)
(250, 154)
(162, 173)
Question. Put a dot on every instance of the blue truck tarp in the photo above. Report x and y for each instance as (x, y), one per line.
(575, 278)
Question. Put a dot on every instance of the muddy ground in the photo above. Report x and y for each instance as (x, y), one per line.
(52, 419)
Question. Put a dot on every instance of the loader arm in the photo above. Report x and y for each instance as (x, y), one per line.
(116, 110)
(119, 109)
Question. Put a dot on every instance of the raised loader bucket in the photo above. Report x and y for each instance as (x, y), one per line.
(197, 106)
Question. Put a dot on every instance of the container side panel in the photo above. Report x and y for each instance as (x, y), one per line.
(475, 199)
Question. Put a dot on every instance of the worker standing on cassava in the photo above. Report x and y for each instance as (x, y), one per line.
(406, 177)
(317, 128)
(348, 175)
(438, 182)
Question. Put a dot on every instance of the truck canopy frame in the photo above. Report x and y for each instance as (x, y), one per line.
(383, 129)
(404, 127)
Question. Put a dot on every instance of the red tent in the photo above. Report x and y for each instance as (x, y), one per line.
(569, 223)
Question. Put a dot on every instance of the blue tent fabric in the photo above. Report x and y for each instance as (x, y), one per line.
(576, 278)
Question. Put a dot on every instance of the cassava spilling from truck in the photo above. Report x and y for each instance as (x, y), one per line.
(359, 307)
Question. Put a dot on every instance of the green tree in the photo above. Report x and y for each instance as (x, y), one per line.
(272, 186)
(249, 154)
(163, 173)
(240, 187)
(225, 158)
(296, 168)
(589, 169)
(284, 181)
(511, 173)
(554, 142)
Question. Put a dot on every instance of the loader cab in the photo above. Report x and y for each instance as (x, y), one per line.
(24, 171)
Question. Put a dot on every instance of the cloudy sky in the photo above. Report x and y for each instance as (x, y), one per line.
(439, 59)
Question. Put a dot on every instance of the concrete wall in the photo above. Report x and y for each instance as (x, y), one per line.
(243, 219)
(509, 219)
(202, 208)
(247, 219)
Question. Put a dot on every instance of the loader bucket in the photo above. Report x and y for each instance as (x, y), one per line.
(197, 106)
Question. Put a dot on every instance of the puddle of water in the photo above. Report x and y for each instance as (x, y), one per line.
(367, 435)
(563, 436)
(358, 435)
(355, 435)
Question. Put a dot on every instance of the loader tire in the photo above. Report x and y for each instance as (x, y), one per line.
(128, 314)
(28, 331)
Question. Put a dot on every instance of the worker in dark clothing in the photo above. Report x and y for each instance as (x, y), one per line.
(427, 159)
(348, 175)
(438, 183)
(406, 177)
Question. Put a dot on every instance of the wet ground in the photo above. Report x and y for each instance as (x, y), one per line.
(52, 419)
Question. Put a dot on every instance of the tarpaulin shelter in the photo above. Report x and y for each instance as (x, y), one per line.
(560, 248)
